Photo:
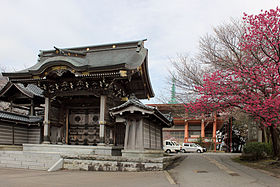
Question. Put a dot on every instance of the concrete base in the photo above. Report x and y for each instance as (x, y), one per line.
(73, 149)
(143, 153)
(46, 142)
(10, 148)
(108, 150)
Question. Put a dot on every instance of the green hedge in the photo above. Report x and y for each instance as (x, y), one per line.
(257, 151)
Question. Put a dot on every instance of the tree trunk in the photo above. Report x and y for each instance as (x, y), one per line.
(275, 142)
(265, 134)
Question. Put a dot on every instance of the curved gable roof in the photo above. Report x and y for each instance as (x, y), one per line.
(129, 55)
(30, 90)
(123, 59)
(166, 120)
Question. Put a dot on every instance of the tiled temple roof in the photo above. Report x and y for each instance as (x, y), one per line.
(32, 89)
(20, 118)
(134, 101)
(126, 60)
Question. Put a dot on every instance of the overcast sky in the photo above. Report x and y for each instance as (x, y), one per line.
(171, 27)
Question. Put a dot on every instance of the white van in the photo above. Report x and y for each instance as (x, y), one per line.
(192, 147)
(171, 146)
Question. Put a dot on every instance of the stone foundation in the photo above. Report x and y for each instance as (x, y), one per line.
(143, 153)
(116, 163)
(88, 158)
(48, 161)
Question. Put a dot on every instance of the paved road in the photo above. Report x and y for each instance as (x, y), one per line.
(218, 170)
(196, 170)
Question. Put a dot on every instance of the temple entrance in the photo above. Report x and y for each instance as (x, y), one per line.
(79, 86)
(83, 126)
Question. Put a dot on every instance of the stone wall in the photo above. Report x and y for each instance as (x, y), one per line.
(115, 163)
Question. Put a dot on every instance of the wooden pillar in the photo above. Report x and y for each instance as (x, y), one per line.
(11, 106)
(141, 135)
(67, 126)
(46, 122)
(60, 122)
(132, 135)
(214, 130)
(32, 112)
(102, 120)
(161, 137)
(111, 136)
(202, 127)
(114, 135)
(127, 126)
(186, 131)
(13, 133)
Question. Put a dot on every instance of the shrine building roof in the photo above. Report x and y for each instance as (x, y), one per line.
(122, 59)
(29, 91)
(14, 117)
(128, 55)
(133, 105)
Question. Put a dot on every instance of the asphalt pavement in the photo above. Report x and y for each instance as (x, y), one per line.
(218, 170)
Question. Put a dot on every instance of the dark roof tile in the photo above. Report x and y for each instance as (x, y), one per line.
(134, 101)
(19, 117)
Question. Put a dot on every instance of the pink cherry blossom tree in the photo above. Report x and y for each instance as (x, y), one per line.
(253, 82)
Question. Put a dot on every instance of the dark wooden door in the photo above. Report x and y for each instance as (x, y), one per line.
(83, 127)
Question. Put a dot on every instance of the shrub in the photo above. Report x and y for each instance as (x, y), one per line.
(200, 141)
(256, 151)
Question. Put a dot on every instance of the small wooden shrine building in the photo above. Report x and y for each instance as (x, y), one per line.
(81, 84)
(143, 127)
(24, 97)
(18, 129)
(24, 127)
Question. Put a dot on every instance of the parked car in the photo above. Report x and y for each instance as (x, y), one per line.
(171, 146)
(192, 147)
